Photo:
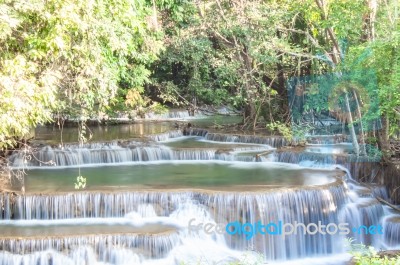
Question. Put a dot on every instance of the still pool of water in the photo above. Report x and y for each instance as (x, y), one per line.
(210, 175)
(54, 135)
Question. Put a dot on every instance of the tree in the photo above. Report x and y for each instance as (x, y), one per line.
(228, 55)
(72, 57)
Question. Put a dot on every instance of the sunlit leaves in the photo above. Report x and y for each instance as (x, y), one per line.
(25, 100)
(70, 56)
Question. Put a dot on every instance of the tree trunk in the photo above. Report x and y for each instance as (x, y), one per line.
(369, 20)
(249, 114)
(361, 130)
(155, 17)
(383, 139)
(351, 126)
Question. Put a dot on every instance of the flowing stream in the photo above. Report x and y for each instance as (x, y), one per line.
(143, 199)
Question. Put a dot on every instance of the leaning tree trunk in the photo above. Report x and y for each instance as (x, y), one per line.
(362, 136)
(351, 126)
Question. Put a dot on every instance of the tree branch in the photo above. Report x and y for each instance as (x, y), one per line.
(313, 41)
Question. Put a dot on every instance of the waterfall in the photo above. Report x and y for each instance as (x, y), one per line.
(184, 114)
(165, 136)
(391, 226)
(306, 206)
(363, 212)
(79, 156)
(276, 142)
(286, 205)
(80, 256)
(273, 141)
(327, 139)
(93, 205)
(155, 246)
(366, 169)
(339, 201)
(327, 204)
(381, 191)
(116, 152)
(196, 132)
(171, 114)
(298, 157)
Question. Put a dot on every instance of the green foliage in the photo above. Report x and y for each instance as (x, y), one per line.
(134, 100)
(190, 59)
(177, 14)
(282, 128)
(157, 108)
(26, 98)
(326, 93)
(300, 132)
(367, 255)
(295, 133)
(65, 56)
(373, 152)
(84, 57)
(383, 57)
(224, 55)
(385, 61)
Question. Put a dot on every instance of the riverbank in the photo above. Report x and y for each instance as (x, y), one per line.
(385, 257)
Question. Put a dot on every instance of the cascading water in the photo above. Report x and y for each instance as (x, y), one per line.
(273, 141)
(123, 152)
(288, 207)
(331, 202)
(153, 246)
(172, 114)
(166, 136)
